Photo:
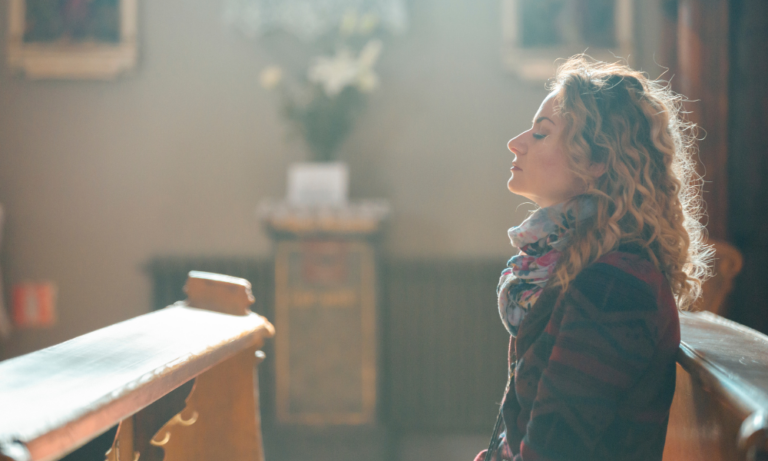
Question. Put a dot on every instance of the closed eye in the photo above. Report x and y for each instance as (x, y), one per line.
(539, 136)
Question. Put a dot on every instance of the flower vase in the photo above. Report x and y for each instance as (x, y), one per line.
(318, 184)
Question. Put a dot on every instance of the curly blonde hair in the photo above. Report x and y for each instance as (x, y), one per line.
(649, 195)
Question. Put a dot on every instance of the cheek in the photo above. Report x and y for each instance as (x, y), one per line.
(555, 163)
(558, 171)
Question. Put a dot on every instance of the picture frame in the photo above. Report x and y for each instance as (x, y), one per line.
(72, 39)
(538, 34)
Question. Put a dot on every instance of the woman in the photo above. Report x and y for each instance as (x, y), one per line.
(613, 251)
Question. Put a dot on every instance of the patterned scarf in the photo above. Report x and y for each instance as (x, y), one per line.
(541, 239)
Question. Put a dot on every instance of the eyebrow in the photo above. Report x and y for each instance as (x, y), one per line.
(540, 119)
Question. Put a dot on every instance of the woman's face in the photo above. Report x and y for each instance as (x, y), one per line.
(540, 170)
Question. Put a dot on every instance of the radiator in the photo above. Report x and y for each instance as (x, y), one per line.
(443, 348)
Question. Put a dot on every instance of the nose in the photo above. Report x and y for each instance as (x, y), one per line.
(516, 144)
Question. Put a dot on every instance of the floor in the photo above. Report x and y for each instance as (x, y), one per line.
(363, 445)
(441, 448)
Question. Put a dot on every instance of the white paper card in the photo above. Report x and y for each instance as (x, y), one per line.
(315, 183)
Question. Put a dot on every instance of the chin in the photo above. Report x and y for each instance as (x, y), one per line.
(511, 186)
(515, 189)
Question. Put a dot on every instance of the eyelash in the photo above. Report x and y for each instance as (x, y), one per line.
(539, 136)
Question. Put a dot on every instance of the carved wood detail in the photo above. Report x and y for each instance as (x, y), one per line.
(177, 420)
(143, 435)
(122, 447)
(224, 405)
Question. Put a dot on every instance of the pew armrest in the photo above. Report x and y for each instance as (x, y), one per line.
(721, 399)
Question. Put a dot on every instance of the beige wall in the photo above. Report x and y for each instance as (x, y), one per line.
(97, 178)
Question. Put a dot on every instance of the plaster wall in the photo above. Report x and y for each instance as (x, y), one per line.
(98, 177)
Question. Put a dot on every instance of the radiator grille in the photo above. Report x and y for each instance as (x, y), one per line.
(446, 351)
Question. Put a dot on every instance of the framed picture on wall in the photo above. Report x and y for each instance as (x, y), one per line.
(539, 32)
(71, 39)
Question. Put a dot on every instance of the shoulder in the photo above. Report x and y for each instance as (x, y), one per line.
(621, 281)
(621, 301)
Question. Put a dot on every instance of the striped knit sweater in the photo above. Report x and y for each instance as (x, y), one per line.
(595, 373)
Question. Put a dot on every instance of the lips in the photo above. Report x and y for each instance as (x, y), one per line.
(516, 168)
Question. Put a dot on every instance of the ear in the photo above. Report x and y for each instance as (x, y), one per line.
(596, 170)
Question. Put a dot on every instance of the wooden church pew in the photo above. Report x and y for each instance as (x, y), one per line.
(720, 408)
(180, 382)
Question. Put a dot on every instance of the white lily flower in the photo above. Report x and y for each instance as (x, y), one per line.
(367, 81)
(370, 54)
(334, 73)
(337, 72)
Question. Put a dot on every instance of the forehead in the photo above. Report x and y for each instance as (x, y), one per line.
(548, 107)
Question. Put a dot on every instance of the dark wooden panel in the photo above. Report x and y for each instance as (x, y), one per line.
(702, 62)
(446, 348)
(748, 159)
(668, 53)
